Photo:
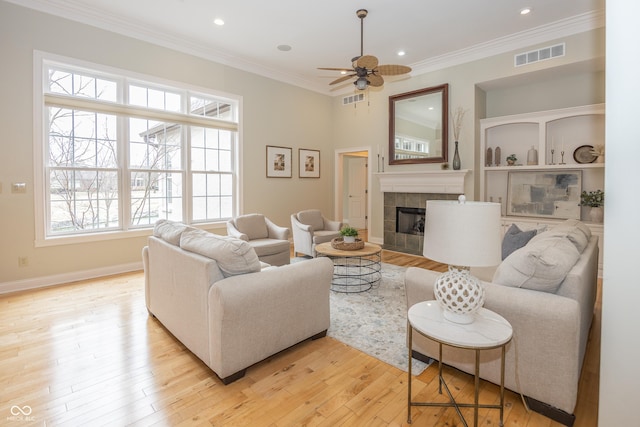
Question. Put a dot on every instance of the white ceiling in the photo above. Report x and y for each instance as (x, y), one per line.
(326, 33)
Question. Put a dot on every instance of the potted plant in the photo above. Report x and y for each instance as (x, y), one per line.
(512, 159)
(594, 200)
(349, 234)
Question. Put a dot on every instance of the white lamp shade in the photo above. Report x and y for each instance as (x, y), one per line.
(463, 233)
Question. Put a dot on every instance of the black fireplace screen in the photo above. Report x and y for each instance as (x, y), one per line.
(410, 220)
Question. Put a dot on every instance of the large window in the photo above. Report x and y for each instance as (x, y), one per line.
(120, 152)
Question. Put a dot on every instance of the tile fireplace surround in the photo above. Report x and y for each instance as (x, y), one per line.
(402, 242)
(412, 190)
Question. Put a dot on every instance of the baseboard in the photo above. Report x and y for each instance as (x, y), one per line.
(59, 279)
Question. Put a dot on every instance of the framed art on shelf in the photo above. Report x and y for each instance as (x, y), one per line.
(309, 161)
(551, 194)
(278, 162)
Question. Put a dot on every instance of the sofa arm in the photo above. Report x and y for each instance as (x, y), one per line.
(145, 267)
(254, 316)
(277, 232)
(545, 347)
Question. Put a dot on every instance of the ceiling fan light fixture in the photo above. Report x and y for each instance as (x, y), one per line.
(361, 83)
(365, 68)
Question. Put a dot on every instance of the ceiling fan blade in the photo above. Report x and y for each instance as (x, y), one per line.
(375, 80)
(392, 70)
(336, 69)
(342, 79)
(367, 61)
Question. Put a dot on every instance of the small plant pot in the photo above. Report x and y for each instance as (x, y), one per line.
(349, 239)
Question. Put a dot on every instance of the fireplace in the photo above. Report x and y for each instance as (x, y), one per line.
(410, 220)
(404, 219)
(405, 191)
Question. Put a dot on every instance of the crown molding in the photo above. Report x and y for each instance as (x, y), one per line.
(77, 11)
(555, 30)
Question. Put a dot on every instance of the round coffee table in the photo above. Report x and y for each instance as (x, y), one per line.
(353, 271)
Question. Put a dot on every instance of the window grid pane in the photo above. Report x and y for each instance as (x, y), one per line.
(84, 156)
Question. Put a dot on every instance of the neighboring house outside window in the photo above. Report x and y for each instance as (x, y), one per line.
(119, 152)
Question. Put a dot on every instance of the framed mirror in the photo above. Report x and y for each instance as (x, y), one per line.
(418, 126)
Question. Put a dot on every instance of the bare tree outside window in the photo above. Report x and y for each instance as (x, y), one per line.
(109, 168)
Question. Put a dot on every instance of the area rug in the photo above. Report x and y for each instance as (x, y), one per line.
(375, 321)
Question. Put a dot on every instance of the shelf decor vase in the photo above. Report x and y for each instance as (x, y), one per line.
(596, 213)
(456, 158)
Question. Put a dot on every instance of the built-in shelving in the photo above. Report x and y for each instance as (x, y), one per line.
(561, 130)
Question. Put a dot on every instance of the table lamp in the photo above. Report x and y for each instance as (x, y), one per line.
(462, 234)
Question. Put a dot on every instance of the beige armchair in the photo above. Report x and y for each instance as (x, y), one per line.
(310, 228)
(270, 241)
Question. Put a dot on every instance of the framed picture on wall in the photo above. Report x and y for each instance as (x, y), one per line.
(278, 162)
(552, 194)
(309, 163)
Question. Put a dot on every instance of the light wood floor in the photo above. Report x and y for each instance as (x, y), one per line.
(88, 353)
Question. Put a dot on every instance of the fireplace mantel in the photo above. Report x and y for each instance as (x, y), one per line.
(437, 181)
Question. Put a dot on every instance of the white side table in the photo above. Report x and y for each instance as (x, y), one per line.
(490, 330)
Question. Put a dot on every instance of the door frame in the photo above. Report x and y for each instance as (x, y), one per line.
(339, 180)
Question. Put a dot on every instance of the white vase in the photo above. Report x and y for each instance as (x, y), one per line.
(349, 239)
(596, 214)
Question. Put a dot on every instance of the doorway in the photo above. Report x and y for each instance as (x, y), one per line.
(353, 180)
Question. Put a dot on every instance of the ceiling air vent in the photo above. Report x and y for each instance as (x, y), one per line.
(352, 99)
(539, 55)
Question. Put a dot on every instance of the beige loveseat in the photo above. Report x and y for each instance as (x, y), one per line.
(551, 326)
(229, 309)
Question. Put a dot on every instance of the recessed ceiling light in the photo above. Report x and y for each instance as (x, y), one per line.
(401, 53)
(284, 47)
(525, 11)
(218, 21)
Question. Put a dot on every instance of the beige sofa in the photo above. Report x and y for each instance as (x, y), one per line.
(551, 327)
(229, 309)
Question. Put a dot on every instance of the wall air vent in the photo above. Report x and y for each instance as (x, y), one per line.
(353, 99)
(543, 54)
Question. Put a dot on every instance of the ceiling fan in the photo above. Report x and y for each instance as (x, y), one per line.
(365, 67)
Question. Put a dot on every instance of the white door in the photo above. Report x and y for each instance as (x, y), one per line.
(357, 192)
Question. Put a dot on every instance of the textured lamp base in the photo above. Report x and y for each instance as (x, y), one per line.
(459, 293)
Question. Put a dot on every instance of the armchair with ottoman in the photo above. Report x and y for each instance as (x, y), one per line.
(270, 241)
(310, 229)
(546, 288)
(229, 309)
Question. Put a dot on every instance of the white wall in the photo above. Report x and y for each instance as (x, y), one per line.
(620, 351)
(274, 114)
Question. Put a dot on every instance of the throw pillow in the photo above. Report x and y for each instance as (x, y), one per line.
(169, 231)
(541, 265)
(234, 256)
(515, 239)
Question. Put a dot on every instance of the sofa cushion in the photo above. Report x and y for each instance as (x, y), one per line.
(170, 231)
(312, 217)
(234, 256)
(541, 265)
(577, 233)
(253, 225)
(514, 239)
